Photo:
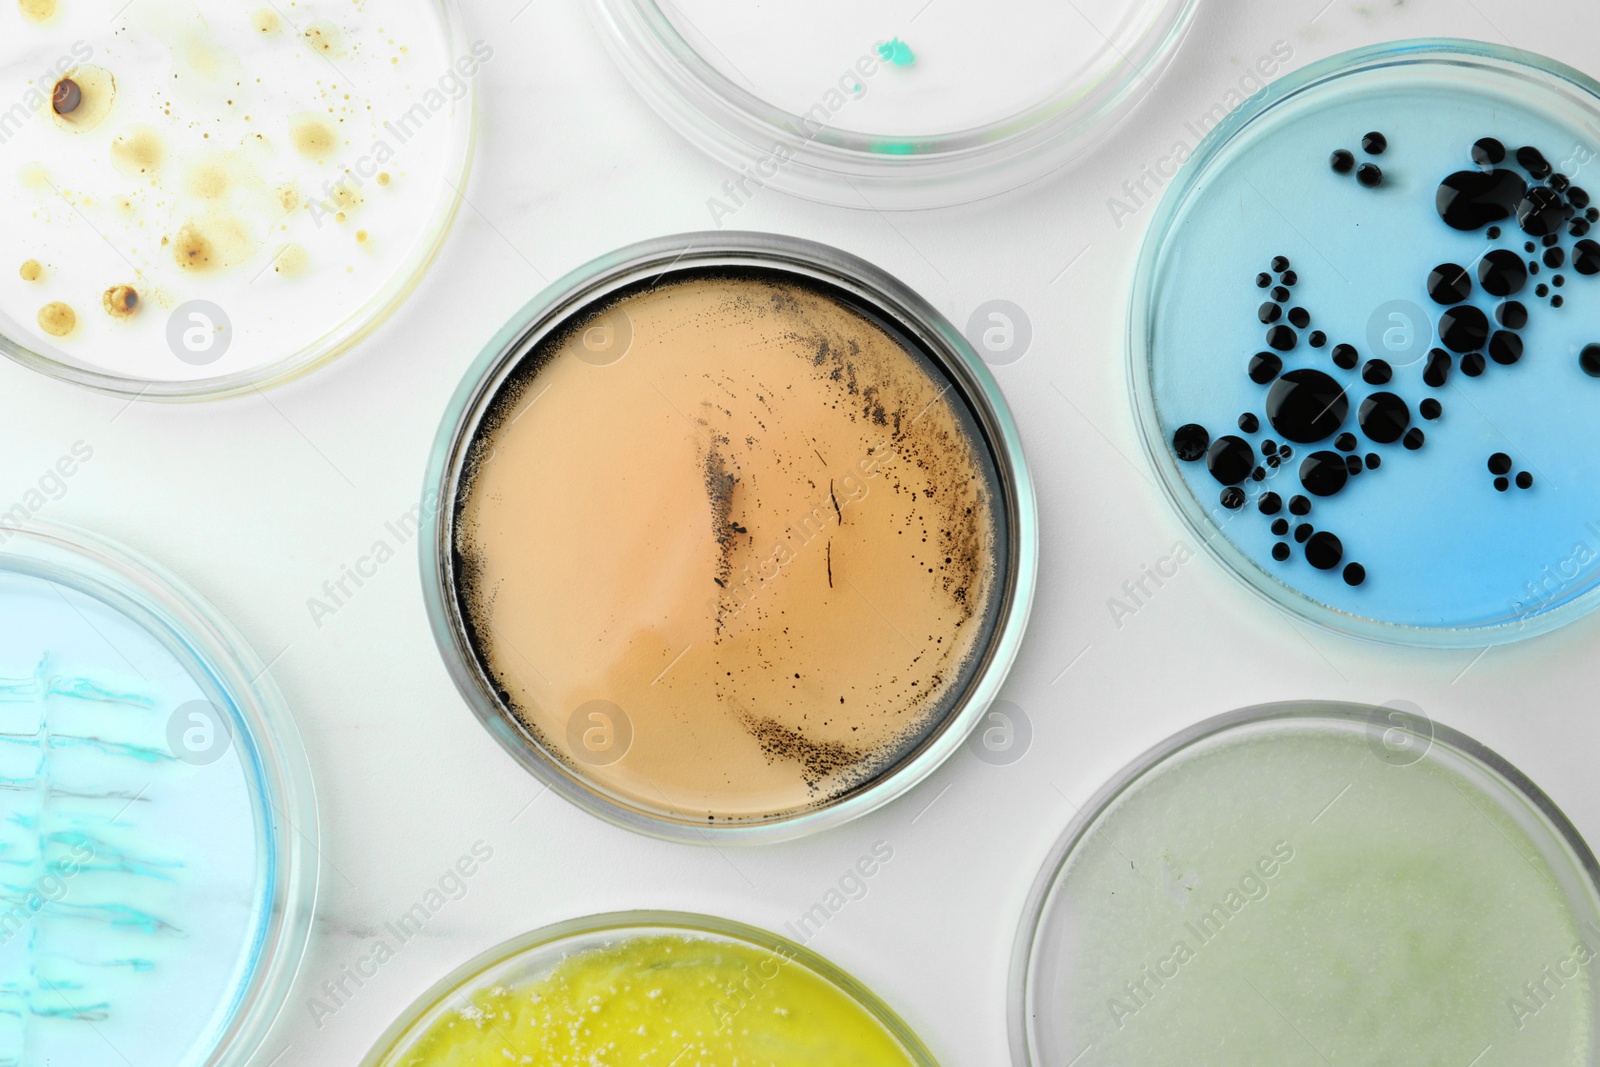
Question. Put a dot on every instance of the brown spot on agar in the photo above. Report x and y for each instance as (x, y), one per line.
(120, 301)
(291, 261)
(312, 137)
(82, 99)
(67, 97)
(57, 319)
(265, 21)
(38, 10)
(383, 178)
(324, 36)
(193, 249)
(32, 271)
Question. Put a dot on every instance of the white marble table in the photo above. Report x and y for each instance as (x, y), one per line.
(258, 501)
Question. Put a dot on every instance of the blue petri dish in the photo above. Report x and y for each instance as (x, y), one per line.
(157, 824)
(1360, 343)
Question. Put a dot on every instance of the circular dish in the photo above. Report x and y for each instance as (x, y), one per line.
(206, 201)
(882, 106)
(161, 829)
(610, 690)
(1281, 297)
(804, 1011)
(1309, 883)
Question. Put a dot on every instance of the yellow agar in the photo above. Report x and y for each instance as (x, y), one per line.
(659, 1000)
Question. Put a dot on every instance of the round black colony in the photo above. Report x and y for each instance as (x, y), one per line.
(1517, 198)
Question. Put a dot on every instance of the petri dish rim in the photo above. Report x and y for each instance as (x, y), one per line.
(810, 261)
(736, 126)
(1474, 752)
(623, 924)
(1433, 50)
(282, 792)
(348, 333)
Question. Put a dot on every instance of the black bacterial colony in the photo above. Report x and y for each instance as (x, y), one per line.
(1520, 202)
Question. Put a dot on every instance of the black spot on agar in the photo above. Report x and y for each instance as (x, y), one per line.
(1306, 405)
(1352, 464)
(1589, 360)
(1324, 551)
(1264, 366)
(1502, 484)
(1269, 312)
(1374, 461)
(1463, 329)
(1323, 473)
(1354, 574)
(1524, 480)
(1232, 498)
(1343, 161)
(1299, 505)
(1430, 409)
(1511, 314)
(1303, 532)
(1414, 439)
(1377, 372)
(1280, 263)
(1542, 211)
(1488, 152)
(1299, 317)
(1383, 417)
(1317, 339)
(1289, 277)
(1279, 293)
(1505, 347)
(1230, 459)
(1499, 463)
(1501, 273)
(1190, 441)
(1249, 423)
(1448, 283)
(1263, 280)
(1280, 526)
(1345, 442)
(1374, 143)
(1345, 357)
(1280, 551)
(1282, 338)
(1472, 199)
(1586, 257)
(1270, 503)
(1554, 257)
(1436, 371)
(1370, 175)
(1472, 364)
(1532, 160)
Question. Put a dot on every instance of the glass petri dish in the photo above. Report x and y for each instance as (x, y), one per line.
(642, 984)
(205, 200)
(1306, 883)
(160, 835)
(728, 535)
(1359, 376)
(887, 105)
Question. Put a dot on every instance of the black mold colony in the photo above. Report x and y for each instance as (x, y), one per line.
(1307, 405)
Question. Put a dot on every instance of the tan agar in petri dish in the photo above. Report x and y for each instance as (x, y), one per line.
(222, 160)
(726, 545)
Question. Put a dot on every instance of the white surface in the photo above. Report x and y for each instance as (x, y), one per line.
(258, 501)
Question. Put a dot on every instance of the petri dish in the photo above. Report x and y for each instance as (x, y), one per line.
(729, 536)
(1358, 362)
(205, 199)
(1312, 883)
(880, 105)
(158, 850)
(653, 987)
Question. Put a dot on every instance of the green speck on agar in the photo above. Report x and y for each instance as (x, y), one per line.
(896, 52)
